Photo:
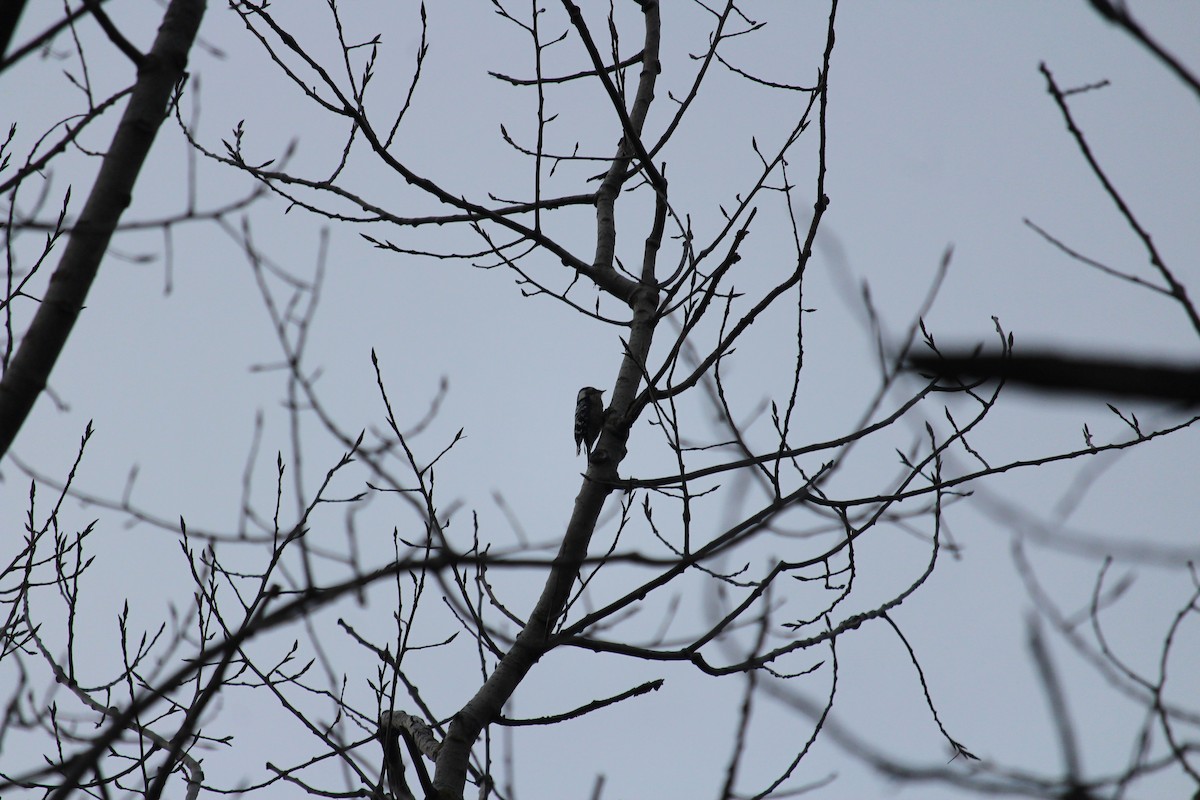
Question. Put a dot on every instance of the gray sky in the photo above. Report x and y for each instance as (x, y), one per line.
(941, 133)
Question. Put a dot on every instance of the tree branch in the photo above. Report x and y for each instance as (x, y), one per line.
(161, 72)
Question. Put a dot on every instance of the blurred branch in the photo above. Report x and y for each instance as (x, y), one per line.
(1057, 372)
(9, 17)
(1119, 15)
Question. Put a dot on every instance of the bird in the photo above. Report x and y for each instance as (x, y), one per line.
(589, 418)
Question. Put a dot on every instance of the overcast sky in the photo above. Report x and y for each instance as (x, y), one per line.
(941, 135)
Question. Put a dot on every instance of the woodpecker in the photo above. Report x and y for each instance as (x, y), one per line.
(589, 418)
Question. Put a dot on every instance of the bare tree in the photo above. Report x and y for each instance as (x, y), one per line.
(385, 631)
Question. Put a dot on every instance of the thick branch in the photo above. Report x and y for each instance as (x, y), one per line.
(1119, 15)
(1107, 377)
(161, 71)
(631, 125)
(534, 639)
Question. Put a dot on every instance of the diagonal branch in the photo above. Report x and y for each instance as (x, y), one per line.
(1119, 15)
(162, 70)
(534, 640)
(1178, 290)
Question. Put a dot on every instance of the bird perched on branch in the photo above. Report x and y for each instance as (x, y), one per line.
(589, 418)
